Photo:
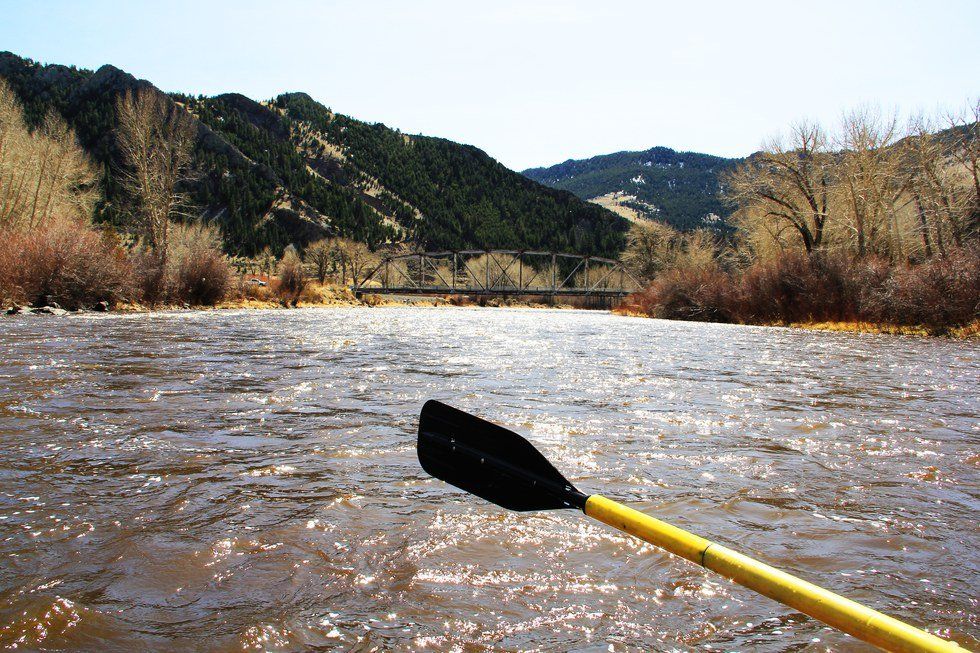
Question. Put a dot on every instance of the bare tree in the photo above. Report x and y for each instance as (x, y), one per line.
(650, 249)
(67, 183)
(15, 156)
(321, 256)
(966, 152)
(870, 181)
(44, 173)
(156, 139)
(342, 258)
(787, 186)
(934, 185)
(919, 151)
(355, 258)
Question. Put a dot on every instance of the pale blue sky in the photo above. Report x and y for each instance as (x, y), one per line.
(536, 82)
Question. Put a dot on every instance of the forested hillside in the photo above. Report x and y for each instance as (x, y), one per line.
(291, 171)
(465, 197)
(679, 188)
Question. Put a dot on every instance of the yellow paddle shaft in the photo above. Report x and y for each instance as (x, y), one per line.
(846, 615)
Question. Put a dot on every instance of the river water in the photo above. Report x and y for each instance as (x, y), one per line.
(247, 480)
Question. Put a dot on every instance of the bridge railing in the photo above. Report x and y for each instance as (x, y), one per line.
(498, 272)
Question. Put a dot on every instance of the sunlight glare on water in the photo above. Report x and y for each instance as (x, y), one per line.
(248, 480)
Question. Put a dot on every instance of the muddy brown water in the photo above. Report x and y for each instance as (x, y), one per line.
(247, 480)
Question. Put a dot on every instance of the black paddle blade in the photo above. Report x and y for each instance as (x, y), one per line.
(491, 462)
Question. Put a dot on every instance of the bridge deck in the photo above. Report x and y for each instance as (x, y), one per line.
(517, 292)
(500, 273)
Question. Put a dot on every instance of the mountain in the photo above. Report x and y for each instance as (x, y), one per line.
(290, 170)
(679, 188)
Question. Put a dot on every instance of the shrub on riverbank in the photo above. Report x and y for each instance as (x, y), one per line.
(73, 264)
(797, 287)
(941, 294)
(292, 279)
(63, 261)
(200, 271)
(192, 270)
(703, 295)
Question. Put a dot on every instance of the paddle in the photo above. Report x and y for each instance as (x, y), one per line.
(502, 467)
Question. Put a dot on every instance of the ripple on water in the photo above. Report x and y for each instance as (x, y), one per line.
(249, 480)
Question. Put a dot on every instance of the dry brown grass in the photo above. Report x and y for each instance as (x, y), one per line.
(859, 327)
(252, 295)
(971, 330)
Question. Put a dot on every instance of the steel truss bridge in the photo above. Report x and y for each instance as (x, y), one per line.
(502, 273)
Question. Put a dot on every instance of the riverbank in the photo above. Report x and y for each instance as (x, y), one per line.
(314, 295)
(966, 332)
(825, 291)
(341, 297)
(969, 331)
